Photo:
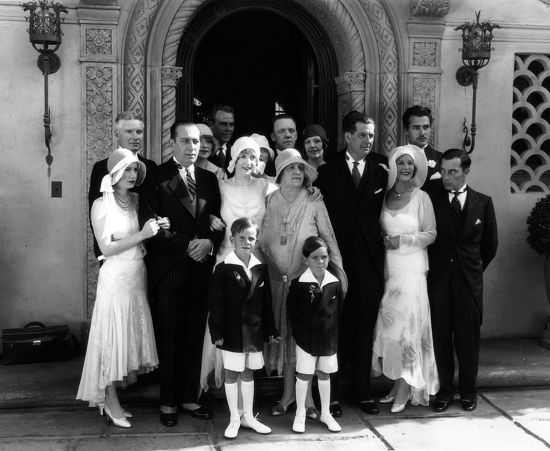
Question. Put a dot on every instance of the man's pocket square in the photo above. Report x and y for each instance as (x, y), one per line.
(261, 285)
(377, 191)
(478, 221)
(435, 176)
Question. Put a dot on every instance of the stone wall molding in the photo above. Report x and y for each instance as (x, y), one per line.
(429, 8)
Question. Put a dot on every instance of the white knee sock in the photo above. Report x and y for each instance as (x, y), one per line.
(247, 390)
(324, 394)
(301, 392)
(232, 393)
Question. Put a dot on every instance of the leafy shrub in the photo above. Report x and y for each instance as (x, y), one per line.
(538, 226)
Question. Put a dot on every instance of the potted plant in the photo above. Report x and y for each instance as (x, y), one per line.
(538, 237)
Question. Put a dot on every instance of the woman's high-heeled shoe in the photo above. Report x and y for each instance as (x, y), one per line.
(118, 422)
(280, 409)
(386, 399)
(124, 412)
(398, 407)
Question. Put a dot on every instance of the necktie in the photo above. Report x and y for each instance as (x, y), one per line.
(455, 203)
(191, 186)
(355, 175)
(221, 156)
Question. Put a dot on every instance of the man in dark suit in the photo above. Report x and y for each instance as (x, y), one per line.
(465, 245)
(353, 185)
(418, 121)
(284, 136)
(129, 135)
(222, 124)
(180, 265)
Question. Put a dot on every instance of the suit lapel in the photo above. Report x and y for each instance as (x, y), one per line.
(472, 209)
(443, 210)
(346, 176)
(177, 186)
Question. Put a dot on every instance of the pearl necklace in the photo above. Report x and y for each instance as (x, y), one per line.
(123, 204)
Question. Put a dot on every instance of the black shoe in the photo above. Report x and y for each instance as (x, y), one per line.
(441, 406)
(202, 413)
(169, 419)
(369, 407)
(336, 410)
(469, 405)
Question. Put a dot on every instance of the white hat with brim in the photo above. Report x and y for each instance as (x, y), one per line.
(118, 161)
(243, 143)
(263, 143)
(288, 157)
(420, 163)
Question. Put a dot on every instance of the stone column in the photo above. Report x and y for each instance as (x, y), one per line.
(426, 30)
(350, 88)
(98, 59)
(170, 76)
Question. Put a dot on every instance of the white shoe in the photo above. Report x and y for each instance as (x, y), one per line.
(386, 399)
(233, 429)
(250, 422)
(331, 423)
(299, 425)
(119, 422)
(127, 414)
(397, 407)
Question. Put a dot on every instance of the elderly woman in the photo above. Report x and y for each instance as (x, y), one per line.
(403, 347)
(315, 145)
(208, 144)
(291, 217)
(121, 343)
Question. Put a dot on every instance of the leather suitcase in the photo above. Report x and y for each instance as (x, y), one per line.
(36, 342)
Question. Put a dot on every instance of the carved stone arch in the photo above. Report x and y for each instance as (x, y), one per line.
(361, 30)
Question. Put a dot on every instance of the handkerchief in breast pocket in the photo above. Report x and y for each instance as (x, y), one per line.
(478, 221)
(377, 191)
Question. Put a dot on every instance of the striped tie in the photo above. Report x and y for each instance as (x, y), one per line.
(191, 185)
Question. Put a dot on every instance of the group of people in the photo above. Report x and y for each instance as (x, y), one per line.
(349, 260)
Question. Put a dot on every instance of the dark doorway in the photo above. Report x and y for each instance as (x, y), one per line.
(259, 57)
(258, 63)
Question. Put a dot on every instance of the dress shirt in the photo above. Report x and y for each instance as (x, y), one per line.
(360, 166)
(461, 196)
(182, 170)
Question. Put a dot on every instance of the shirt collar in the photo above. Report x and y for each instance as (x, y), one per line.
(462, 190)
(232, 259)
(308, 277)
(191, 168)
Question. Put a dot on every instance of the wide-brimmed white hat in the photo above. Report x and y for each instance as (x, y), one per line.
(263, 142)
(290, 156)
(243, 143)
(420, 163)
(118, 161)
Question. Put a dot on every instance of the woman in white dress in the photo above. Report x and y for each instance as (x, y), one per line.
(121, 342)
(403, 345)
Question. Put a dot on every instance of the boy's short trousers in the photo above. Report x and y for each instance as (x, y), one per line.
(307, 363)
(237, 361)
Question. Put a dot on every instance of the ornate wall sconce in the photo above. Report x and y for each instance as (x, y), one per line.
(476, 52)
(45, 36)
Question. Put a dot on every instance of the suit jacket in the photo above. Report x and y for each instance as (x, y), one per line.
(435, 156)
(169, 197)
(314, 315)
(240, 309)
(99, 170)
(355, 213)
(215, 159)
(472, 247)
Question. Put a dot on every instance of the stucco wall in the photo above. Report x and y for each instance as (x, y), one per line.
(515, 301)
(41, 256)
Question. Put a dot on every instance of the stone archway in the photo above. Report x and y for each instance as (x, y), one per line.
(360, 30)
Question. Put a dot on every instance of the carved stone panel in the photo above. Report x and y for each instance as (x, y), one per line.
(170, 75)
(99, 99)
(424, 92)
(424, 54)
(99, 41)
(434, 8)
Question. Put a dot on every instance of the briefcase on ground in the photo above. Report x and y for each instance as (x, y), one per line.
(36, 342)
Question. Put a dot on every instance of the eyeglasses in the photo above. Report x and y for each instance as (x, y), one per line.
(450, 172)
